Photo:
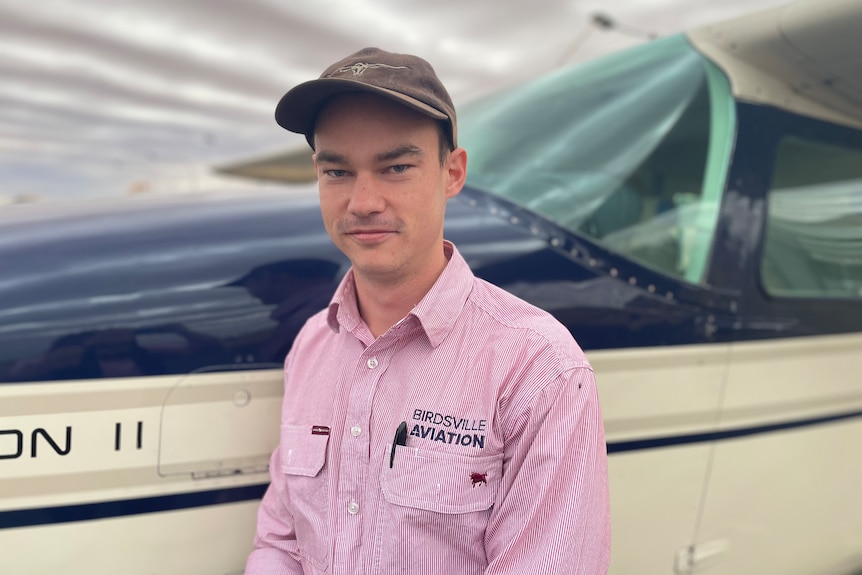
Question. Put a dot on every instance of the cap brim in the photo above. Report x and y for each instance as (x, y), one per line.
(298, 109)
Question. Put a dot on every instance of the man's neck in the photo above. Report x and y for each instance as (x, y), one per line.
(383, 304)
(383, 309)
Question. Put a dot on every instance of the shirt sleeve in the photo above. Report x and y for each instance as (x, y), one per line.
(275, 550)
(552, 513)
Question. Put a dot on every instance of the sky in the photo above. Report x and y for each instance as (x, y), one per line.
(104, 98)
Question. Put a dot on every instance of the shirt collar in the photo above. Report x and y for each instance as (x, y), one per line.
(343, 309)
(437, 311)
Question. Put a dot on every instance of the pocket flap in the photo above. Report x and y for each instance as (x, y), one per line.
(303, 449)
(442, 482)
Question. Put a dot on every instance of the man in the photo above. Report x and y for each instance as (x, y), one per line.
(432, 423)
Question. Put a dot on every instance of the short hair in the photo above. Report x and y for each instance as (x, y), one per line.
(445, 145)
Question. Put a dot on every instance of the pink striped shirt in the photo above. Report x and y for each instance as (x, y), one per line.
(504, 467)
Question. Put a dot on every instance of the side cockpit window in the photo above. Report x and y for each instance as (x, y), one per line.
(813, 244)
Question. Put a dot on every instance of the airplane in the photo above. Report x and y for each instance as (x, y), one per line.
(691, 209)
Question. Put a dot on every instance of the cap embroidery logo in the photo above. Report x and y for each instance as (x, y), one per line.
(360, 67)
(477, 478)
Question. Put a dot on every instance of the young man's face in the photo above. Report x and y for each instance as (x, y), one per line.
(383, 190)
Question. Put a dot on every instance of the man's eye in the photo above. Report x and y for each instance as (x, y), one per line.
(399, 168)
(335, 173)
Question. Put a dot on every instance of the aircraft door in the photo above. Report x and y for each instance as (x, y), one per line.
(784, 491)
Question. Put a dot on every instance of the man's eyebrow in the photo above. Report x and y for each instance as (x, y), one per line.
(398, 152)
(330, 158)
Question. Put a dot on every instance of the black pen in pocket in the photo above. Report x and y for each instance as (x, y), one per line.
(400, 439)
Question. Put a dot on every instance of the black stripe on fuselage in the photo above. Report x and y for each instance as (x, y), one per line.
(104, 510)
(120, 508)
(656, 442)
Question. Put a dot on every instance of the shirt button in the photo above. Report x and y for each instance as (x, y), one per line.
(371, 363)
(355, 431)
(353, 507)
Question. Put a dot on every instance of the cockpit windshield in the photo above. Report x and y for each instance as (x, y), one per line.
(630, 151)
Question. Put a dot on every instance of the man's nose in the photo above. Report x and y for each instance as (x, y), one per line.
(365, 198)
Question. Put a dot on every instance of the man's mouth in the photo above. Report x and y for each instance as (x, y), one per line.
(370, 235)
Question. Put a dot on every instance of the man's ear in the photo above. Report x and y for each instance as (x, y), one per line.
(456, 171)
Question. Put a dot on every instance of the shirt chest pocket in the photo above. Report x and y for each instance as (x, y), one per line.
(442, 482)
(303, 449)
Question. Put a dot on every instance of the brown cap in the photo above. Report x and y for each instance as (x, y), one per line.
(406, 79)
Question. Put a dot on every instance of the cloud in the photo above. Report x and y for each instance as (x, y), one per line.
(103, 96)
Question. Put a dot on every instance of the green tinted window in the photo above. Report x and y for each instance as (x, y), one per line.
(813, 242)
(630, 150)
